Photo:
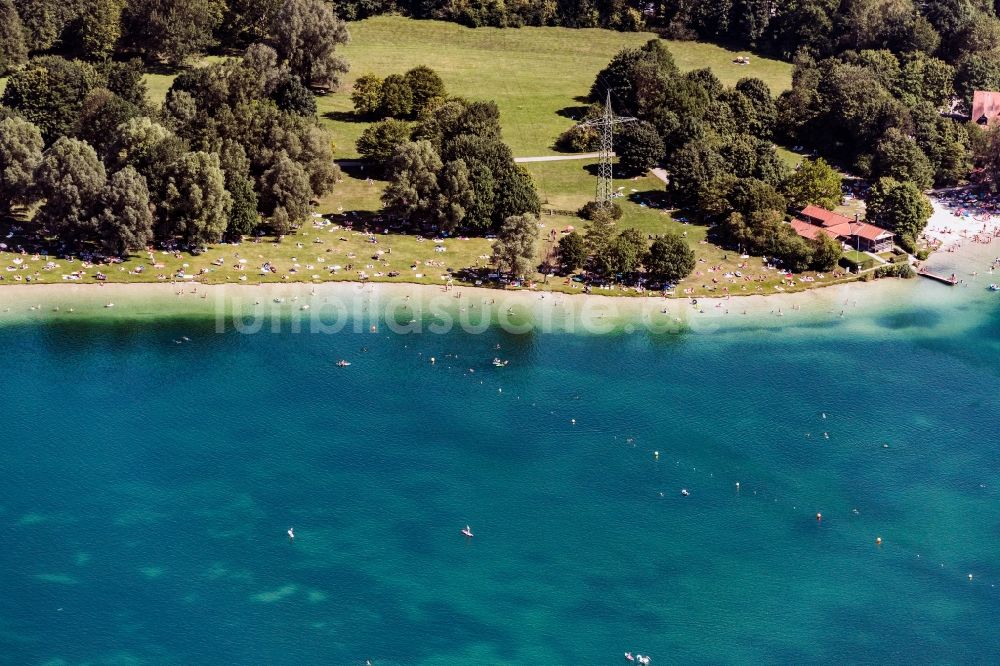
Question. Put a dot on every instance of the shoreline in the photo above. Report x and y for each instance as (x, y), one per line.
(333, 307)
(314, 305)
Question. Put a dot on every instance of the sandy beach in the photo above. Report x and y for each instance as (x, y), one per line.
(410, 308)
(967, 239)
(966, 249)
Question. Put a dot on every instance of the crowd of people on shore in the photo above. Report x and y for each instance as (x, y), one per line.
(976, 219)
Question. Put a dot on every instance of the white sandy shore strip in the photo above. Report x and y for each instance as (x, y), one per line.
(544, 310)
(953, 231)
(405, 308)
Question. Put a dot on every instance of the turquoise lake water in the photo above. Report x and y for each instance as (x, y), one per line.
(147, 486)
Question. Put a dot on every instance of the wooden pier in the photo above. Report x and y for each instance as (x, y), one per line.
(953, 280)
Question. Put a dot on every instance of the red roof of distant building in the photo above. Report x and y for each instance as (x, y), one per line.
(835, 225)
(810, 231)
(860, 229)
(870, 232)
(826, 218)
(985, 106)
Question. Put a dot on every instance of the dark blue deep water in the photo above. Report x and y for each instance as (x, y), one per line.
(147, 485)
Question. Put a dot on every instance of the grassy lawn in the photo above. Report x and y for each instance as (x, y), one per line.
(532, 73)
(790, 157)
(536, 76)
(310, 253)
(158, 83)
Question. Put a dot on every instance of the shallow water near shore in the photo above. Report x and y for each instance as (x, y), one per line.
(152, 465)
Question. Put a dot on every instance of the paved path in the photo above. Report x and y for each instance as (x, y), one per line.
(660, 173)
(519, 160)
(559, 158)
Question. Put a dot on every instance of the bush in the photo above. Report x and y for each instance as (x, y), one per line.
(906, 242)
(922, 254)
(904, 271)
(578, 140)
(592, 207)
(380, 140)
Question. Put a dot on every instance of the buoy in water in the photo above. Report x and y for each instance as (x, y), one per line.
(970, 576)
(878, 541)
(819, 516)
(656, 455)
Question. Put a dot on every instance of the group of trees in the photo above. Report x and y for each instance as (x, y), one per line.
(450, 170)
(614, 14)
(621, 256)
(304, 33)
(79, 199)
(716, 144)
(879, 114)
(956, 30)
(869, 108)
(406, 95)
(236, 146)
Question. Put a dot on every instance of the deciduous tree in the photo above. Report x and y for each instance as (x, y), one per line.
(306, 34)
(457, 194)
(426, 88)
(573, 251)
(380, 140)
(397, 97)
(13, 46)
(125, 219)
(626, 252)
(69, 179)
(826, 253)
(97, 27)
(367, 95)
(100, 116)
(413, 190)
(172, 29)
(669, 258)
(899, 206)
(20, 154)
(814, 182)
(285, 186)
(898, 156)
(639, 148)
(514, 248)
(196, 205)
(50, 93)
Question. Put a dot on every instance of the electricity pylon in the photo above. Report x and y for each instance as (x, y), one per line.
(605, 125)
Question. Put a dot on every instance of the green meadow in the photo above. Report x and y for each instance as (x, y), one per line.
(538, 77)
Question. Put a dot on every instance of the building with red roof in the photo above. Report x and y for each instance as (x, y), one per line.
(813, 220)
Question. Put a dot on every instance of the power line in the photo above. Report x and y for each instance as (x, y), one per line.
(605, 125)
